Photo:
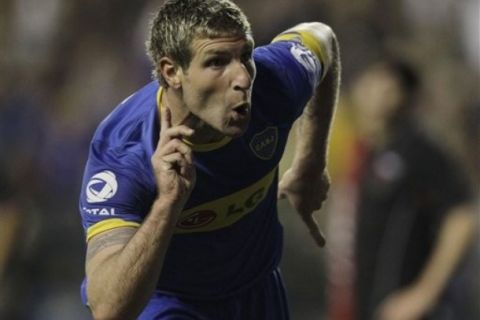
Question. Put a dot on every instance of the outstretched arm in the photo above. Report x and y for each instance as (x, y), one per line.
(456, 235)
(123, 264)
(307, 182)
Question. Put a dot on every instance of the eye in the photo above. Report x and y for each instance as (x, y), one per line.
(217, 62)
(247, 56)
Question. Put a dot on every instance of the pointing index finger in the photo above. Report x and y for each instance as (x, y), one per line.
(165, 124)
(314, 229)
(168, 131)
(166, 119)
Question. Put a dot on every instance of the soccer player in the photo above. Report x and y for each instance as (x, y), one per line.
(180, 188)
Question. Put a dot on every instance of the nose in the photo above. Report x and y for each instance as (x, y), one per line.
(243, 75)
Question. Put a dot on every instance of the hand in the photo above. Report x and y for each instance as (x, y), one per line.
(405, 304)
(306, 194)
(172, 161)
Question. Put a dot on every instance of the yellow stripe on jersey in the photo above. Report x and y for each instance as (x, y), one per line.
(309, 41)
(208, 146)
(109, 224)
(223, 212)
(159, 100)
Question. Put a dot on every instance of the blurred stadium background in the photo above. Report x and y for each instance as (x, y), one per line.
(65, 64)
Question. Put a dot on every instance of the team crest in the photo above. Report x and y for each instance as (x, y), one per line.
(264, 143)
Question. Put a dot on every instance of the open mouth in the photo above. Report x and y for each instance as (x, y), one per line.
(242, 109)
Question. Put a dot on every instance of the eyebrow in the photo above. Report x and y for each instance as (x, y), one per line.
(247, 47)
(216, 52)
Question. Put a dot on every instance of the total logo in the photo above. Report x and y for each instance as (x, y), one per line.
(101, 187)
(100, 211)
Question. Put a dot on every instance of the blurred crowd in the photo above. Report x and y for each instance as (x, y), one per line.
(65, 64)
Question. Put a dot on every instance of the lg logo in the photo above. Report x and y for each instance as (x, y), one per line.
(101, 187)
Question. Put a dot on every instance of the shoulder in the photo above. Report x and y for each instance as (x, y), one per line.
(433, 164)
(130, 120)
(124, 140)
(285, 56)
(287, 74)
(421, 149)
(287, 66)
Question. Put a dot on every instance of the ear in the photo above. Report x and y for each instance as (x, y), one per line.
(170, 72)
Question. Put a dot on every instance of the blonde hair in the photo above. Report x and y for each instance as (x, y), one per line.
(179, 22)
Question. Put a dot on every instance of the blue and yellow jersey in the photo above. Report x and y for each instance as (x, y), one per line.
(228, 234)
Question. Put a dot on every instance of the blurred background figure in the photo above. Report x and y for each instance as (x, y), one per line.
(412, 215)
(415, 215)
(409, 205)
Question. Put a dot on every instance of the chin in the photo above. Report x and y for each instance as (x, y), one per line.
(235, 131)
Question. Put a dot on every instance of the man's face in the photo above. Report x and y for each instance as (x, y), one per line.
(217, 85)
(377, 97)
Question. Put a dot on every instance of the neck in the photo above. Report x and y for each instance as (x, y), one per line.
(181, 115)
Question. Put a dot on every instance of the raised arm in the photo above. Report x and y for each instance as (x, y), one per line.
(306, 183)
(123, 264)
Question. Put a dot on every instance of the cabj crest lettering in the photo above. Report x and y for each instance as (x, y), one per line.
(264, 143)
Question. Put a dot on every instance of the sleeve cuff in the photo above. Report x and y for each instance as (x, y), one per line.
(109, 224)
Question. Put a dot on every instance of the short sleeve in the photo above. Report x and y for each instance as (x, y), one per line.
(287, 74)
(116, 190)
